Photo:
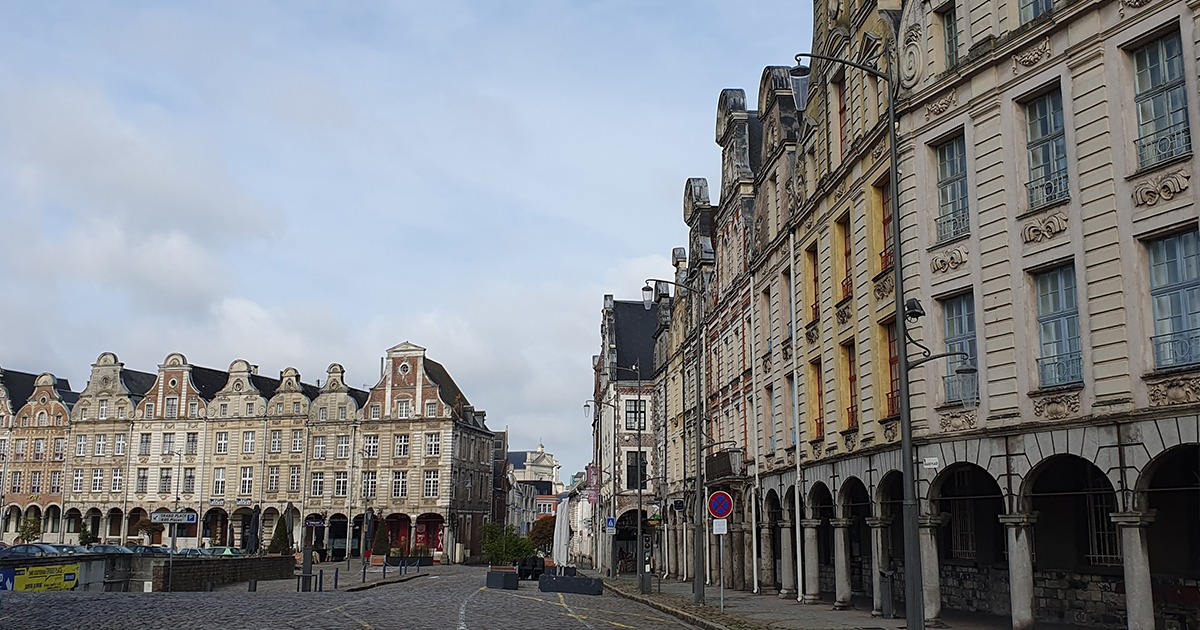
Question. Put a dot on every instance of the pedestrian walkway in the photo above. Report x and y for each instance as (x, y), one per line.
(336, 576)
(747, 611)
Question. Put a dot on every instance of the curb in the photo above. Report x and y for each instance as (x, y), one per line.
(365, 587)
(675, 612)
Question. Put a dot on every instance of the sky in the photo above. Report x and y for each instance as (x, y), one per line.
(300, 183)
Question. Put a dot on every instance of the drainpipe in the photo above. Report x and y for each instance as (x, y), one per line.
(798, 546)
(753, 408)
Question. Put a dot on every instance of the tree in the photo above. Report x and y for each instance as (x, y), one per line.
(145, 526)
(503, 545)
(542, 534)
(279, 540)
(29, 529)
(86, 537)
(381, 544)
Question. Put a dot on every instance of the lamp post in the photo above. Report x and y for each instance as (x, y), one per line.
(174, 526)
(612, 478)
(643, 588)
(698, 525)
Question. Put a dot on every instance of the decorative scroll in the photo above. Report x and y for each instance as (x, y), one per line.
(958, 420)
(939, 106)
(950, 259)
(1162, 187)
(851, 441)
(885, 287)
(1132, 4)
(1059, 406)
(810, 335)
(1175, 391)
(844, 313)
(912, 57)
(1045, 228)
(890, 431)
(1032, 56)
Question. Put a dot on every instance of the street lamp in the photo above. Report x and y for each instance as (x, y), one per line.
(643, 587)
(914, 601)
(174, 526)
(698, 525)
(612, 477)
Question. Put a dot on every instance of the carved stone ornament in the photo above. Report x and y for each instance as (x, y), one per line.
(840, 191)
(885, 286)
(845, 313)
(1033, 56)
(1132, 4)
(958, 420)
(1175, 391)
(912, 57)
(851, 441)
(877, 152)
(1059, 406)
(1045, 228)
(1162, 187)
(939, 106)
(889, 431)
(952, 258)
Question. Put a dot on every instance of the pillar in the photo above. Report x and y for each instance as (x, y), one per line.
(737, 555)
(766, 559)
(812, 568)
(1139, 600)
(930, 569)
(787, 576)
(1019, 529)
(879, 562)
(841, 562)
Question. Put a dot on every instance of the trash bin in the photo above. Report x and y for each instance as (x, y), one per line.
(887, 589)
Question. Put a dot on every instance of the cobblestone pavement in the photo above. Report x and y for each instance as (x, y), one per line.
(444, 598)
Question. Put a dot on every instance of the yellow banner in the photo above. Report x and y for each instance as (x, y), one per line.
(58, 577)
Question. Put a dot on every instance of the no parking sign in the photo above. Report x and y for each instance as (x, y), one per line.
(720, 504)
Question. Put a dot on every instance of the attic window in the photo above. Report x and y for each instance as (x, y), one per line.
(172, 382)
(404, 368)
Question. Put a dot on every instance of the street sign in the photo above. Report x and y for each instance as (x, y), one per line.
(178, 518)
(610, 525)
(314, 523)
(677, 505)
(720, 526)
(720, 504)
(930, 463)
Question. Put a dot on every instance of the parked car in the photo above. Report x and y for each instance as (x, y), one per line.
(222, 551)
(110, 549)
(149, 550)
(70, 549)
(190, 552)
(29, 550)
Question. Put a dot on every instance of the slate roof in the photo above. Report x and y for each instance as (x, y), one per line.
(138, 383)
(449, 391)
(264, 384)
(517, 459)
(633, 329)
(209, 381)
(20, 387)
(543, 487)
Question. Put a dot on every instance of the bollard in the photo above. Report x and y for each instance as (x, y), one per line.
(385, 570)
(297, 583)
(253, 585)
(364, 573)
(418, 563)
(320, 580)
(335, 578)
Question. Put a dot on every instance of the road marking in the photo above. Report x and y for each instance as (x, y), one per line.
(357, 620)
(462, 609)
(562, 601)
(583, 617)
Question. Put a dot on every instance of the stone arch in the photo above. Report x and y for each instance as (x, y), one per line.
(52, 519)
(107, 358)
(175, 359)
(1074, 501)
(972, 501)
(1169, 488)
(818, 495)
(854, 505)
(1032, 451)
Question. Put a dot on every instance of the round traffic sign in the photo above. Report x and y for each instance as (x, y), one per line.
(720, 504)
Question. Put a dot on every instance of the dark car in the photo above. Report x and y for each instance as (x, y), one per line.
(149, 550)
(190, 551)
(70, 549)
(29, 550)
(109, 549)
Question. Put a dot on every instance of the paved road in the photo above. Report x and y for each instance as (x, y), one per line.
(449, 598)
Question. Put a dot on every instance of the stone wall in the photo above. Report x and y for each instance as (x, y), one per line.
(975, 588)
(827, 578)
(1177, 603)
(198, 574)
(1080, 598)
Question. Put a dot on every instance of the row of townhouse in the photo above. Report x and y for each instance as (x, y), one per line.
(1048, 234)
(246, 452)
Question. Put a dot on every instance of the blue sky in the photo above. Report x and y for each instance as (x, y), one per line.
(301, 183)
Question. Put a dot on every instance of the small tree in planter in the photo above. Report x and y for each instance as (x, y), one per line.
(542, 534)
(86, 537)
(29, 529)
(148, 528)
(503, 546)
(279, 540)
(380, 545)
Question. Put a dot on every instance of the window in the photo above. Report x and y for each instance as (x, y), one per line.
(319, 447)
(56, 478)
(893, 390)
(77, 480)
(249, 409)
(168, 443)
(323, 413)
(847, 258)
(635, 415)
(953, 219)
(1047, 149)
(81, 445)
(1175, 292)
(189, 480)
(119, 448)
(164, 480)
(296, 407)
(118, 479)
(814, 272)
(222, 442)
(97, 480)
(342, 413)
(297, 440)
(143, 481)
(1030, 9)
(318, 484)
(431, 483)
(293, 479)
(371, 445)
(248, 441)
(218, 481)
(843, 119)
(888, 255)
(401, 449)
(369, 484)
(272, 479)
(431, 409)
(247, 485)
(343, 446)
(950, 36)
(15, 481)
(816, 399)
(279, 409)
(433, 444)
(144, 444)
(850, 361)
(171, 407)
(191, 441)
(193, 409)
(60, 449)
(224, 410)
(962, 520)
(1104, 544)
(103, 409)
(403, 409)
(1058, 328)
(635, 470)
(375, 412)
(35, 482)
(19, 455)
(340, 481)
(1161, 98)
(83, 414)
(399, 484)
(960, 337)
(121, 412)
(276, 440)
(101, 447)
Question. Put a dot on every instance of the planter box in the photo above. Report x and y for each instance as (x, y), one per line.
(568, 584)
(506, 580)
(377, 561)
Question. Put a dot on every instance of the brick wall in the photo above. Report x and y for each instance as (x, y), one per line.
(1079, 598)
(975, 588)
(196, 574)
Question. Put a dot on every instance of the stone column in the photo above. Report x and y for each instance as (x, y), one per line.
(812, 568)
(879, 562)
(737, 555)
(787, 561)
(1139, 600)
(841, 562)
(766, 559)
(1020, 567)
(931, 569)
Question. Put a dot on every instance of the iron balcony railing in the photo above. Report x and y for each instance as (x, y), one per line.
(1060, 369)
(952, 224)
(847, 287)
(886, 257)
(852, 417)
(1176, 349)
(1162, 145)
(724, 465)
(893, 403)
(1049, 189)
